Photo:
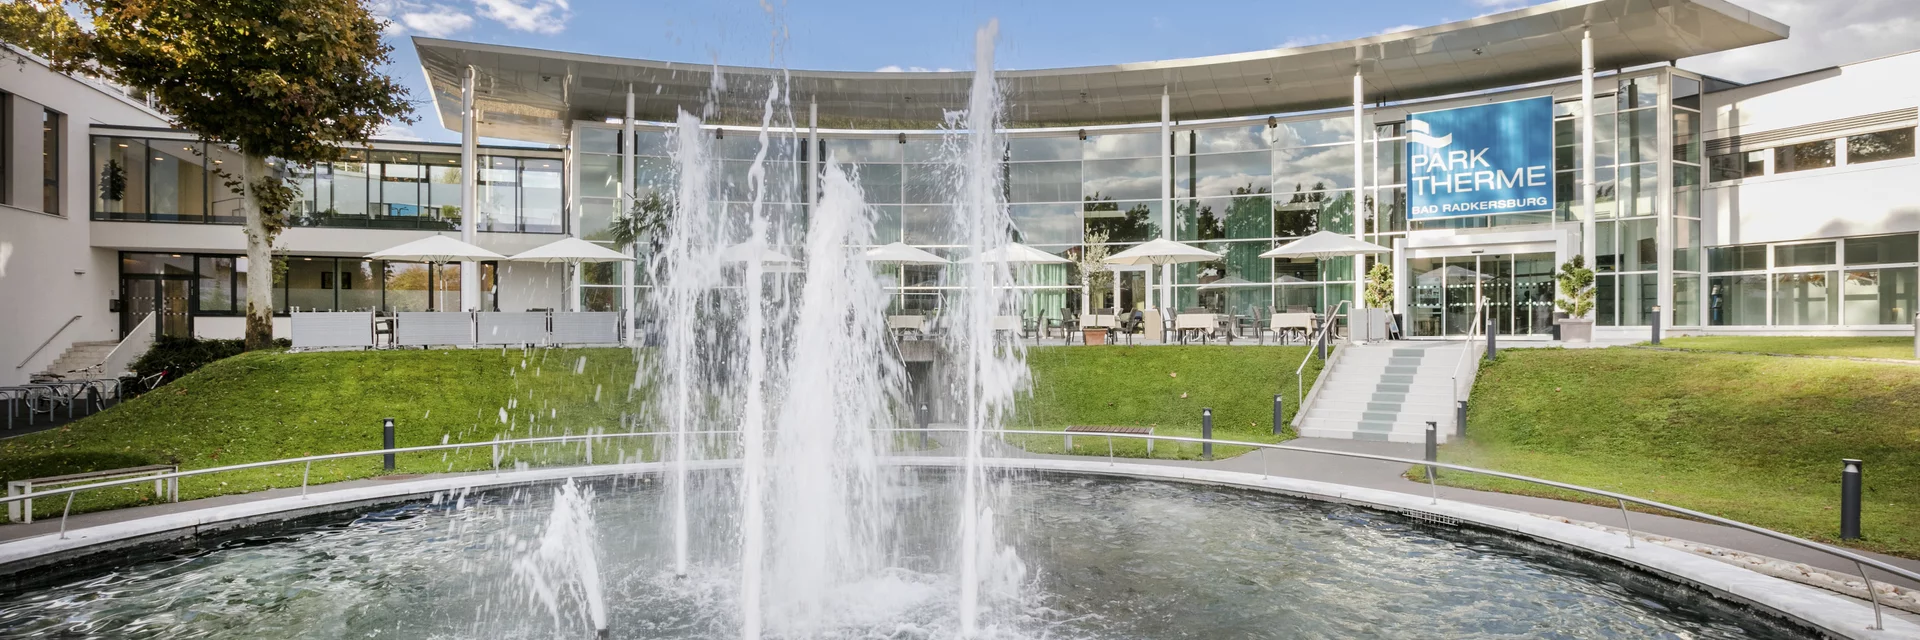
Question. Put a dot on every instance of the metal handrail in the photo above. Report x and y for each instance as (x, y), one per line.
(1860, 561)
(43, 345)
(1326, 329)
(1479, 308)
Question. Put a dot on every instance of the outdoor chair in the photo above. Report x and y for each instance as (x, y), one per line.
(1068, 326)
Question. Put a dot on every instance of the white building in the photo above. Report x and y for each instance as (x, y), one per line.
(1781, 206)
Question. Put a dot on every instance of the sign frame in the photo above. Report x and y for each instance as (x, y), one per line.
(1505, 163)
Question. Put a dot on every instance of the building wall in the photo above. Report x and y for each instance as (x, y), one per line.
(54, 274)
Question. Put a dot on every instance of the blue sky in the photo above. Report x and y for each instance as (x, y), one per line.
(869, 35)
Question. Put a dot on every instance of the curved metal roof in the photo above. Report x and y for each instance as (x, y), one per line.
(533, 95)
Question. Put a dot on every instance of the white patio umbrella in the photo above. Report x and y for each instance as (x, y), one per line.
(1325, 244)
(1016, 253)
(1161, 251)
(570, 252)
(435, 250)
(900, 253)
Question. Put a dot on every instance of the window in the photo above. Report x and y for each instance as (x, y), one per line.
(1801, 157)
(1744, 258)
(1803, 255)
(1881, 145)
(1883, 250)
(50, 161)
(1734, 166)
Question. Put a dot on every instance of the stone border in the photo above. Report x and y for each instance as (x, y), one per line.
(1824, 611)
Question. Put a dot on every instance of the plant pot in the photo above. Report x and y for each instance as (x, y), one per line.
(1575, 330)
(1094, 336)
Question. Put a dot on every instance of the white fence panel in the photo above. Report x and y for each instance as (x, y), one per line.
(513, 328)
(312, 330)
(424, 328)
(586, 327)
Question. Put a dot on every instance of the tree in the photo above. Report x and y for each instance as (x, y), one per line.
(1380, 286)
(1576, 288)
(274, 79)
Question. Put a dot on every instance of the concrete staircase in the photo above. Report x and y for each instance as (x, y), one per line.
(1388, 391)
(81, 360)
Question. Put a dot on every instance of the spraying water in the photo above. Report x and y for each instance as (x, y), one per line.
(562, 572)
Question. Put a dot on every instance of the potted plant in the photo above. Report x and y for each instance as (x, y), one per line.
(1576, 300)
(1379, 298)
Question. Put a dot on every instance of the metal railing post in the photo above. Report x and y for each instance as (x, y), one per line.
(1850, 499)
(1872, 596)
(1279, 410)
(303, 479)
(386, 439)
(1626, 521)
(63, 514)
(1206, 433)
(1433, 455)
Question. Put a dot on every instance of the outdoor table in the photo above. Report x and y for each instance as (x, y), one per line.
(899, 325)
(1204, 323)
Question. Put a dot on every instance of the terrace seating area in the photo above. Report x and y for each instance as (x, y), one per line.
(375, 330)
(1257, 326)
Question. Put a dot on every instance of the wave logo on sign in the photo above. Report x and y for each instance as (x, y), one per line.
(1421, 133)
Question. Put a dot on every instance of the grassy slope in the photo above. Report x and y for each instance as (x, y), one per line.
(268, 405)
(1141, 386)
(1892, 347)
(1753, 438)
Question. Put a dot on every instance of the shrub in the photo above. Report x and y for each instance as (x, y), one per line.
(179, 356)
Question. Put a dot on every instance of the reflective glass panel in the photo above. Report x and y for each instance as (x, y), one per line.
(1737, 300)
(1883, 249)
(1880, 296)
(1121, 179)
(1882, 145)
(1806, 298)
(1803, 156)
(1803, 255)
(1313, 169)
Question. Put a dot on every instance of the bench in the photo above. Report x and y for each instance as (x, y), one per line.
(1132, 431)
(167, 487)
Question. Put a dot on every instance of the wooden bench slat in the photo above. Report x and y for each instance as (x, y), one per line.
(155, 468)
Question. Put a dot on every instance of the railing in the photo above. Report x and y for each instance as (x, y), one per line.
(49, 340)
(134, 345)
(1299, 379)
(1860, 562)
(1479, 308)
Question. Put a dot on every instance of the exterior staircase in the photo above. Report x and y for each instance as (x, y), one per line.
(1389, 391)
(82, 360)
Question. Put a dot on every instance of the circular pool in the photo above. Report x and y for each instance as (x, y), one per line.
(1101, 558)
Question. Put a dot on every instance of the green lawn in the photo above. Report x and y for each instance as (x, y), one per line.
(1891, 347)
(1753, 438)
(271, 405)
(1160, 386)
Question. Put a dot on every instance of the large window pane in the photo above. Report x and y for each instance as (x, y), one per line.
(928, 224)
(443, 188)
(1312, 169)
(1686, 136)
(1686, 92)
(400, 188)
(1803, 255)
(864, 150)
(1751, 257)
(178, 180)
(310, 284)
(598, 140)
(1044, 182)
(357, 289)
(1312, 132)
(1643, 91)
(927, 183)
(1302, 214)
(1880, 296)
(1686, 244)
(1638, 243)
(349, 190)
(541, 196)
(1122, 221)
(1639, 189)
(1881, 145)
(1044, 148)
(1229, 174)
(1639, 133)
(1121, 179)
(1737, 300)
(1686, 300)
(1047, 223)
(1805, 299)
(499, 193)
(1803, 156)
(1122, 145)
(216, 285)
(406, 286)
(1726, 166)
(1883, 249)
(1230, 139)
(599, 175)
(1639, 292)
(52, 155)
(119, 177)
(879, 182)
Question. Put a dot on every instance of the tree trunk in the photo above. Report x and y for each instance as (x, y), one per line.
(259, 262)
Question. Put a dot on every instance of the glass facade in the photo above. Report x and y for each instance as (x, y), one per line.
(216, 285)
(1855, 282)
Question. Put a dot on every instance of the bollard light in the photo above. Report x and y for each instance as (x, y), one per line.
(1492, 329)
(386, 428)
(1850, 499)
(1656, 325)
(1460, 418)
(1279, 410)
(1206, 433)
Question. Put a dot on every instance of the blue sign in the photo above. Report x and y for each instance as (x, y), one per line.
(1481, 160)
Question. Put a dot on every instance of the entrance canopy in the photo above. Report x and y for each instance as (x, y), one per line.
(534, 95)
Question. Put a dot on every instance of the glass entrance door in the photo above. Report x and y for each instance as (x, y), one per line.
(163, 295)
(1517, 288)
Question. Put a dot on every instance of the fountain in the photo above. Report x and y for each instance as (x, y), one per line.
(779, 512)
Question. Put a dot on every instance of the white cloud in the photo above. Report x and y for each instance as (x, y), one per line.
(1823, 34)
(433, 20)
(546, 17)
(397, 131)
(1304, 41)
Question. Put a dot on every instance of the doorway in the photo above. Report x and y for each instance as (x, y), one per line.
(1518, 289)
(167, 296)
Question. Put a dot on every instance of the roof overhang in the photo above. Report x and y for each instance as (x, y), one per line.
(534, 95)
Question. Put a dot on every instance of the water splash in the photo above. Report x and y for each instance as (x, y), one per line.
(562, 572)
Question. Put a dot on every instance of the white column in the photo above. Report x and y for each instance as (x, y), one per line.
(469, 199)
(1166, 195)
(1587, 226)
(813, 152)
(629, 293)
(1359, 189)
